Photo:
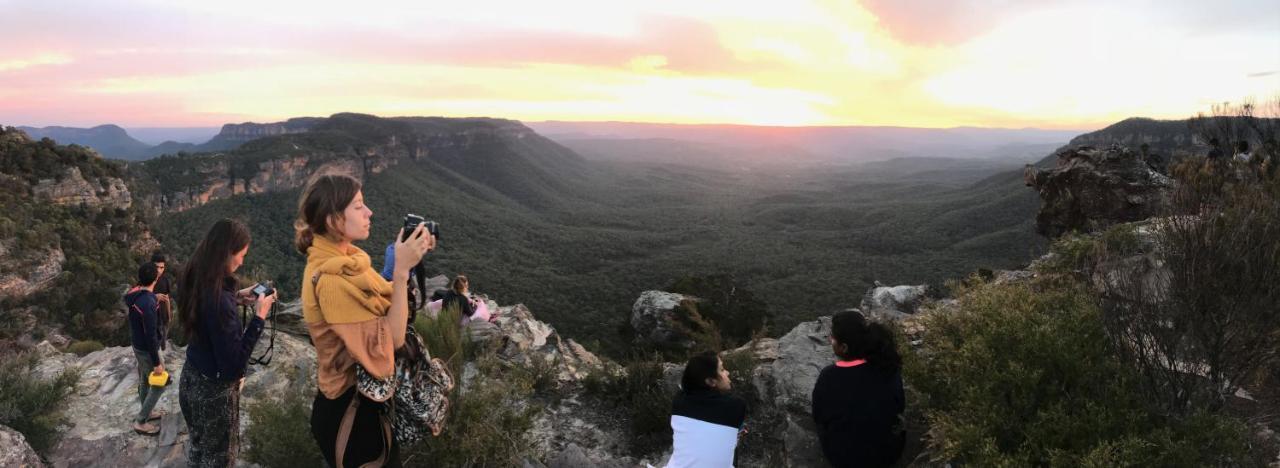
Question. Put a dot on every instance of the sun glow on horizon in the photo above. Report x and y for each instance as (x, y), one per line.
(915, 63)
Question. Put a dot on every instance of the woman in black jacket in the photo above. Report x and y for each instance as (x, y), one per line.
(858, 400)
(219, 345)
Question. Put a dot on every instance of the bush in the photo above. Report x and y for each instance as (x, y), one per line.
(488, 423)
(445, 338)
(1072, 253)
(1119, 240)
(279, 432)
(81, 348)
(32, 406)
(1023, 375)
(731, 306)
(1211, 304)
(641, 393)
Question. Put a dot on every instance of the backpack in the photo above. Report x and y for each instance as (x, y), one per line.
(417, 394)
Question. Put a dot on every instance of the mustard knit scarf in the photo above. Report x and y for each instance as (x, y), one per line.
(361, 294)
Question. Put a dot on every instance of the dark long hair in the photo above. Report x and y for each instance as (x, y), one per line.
(702, 366)
(206, 274)
(326, 195)
(866, 340)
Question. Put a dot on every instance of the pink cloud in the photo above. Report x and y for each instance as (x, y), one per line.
(932, 22)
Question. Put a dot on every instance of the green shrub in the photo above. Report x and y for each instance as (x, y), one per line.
(445, 338)
(1071, 253)
(1022, 375)
(81, 348)
(736, 312)
(279, 432)
(640, 391)
(32, 406)
(488, 423)
(1119, 241)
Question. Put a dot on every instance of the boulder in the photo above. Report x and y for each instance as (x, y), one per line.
(15, 451)
(784, 385)
(895, 301)
(667, 321)
(524, 340)
(1091, 189)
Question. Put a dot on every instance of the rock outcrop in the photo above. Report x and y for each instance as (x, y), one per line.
(73, 189)
(1091, 189)
(98, 433)
(785, 384)
(287, 162)
(233, 135)
(895, 301)
(666, 320)
(15, 451)
(23, 273)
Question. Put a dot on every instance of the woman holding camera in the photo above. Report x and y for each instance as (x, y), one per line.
(354, 316)
(219, 345)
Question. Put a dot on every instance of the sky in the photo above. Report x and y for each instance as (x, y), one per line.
(916, 63)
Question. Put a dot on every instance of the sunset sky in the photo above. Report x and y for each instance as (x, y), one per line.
(1049, 64)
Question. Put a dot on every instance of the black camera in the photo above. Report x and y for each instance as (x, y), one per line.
(263, 289)
(411, 222)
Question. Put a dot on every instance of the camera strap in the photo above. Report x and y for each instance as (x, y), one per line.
(267, 354)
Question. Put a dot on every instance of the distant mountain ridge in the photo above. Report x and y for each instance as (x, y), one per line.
(281, 156)
(840, 144)
(108, 140)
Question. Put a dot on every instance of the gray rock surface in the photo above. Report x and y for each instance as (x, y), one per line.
(895, 300)
(656, 319)
(15, 451)
(785, 385)
(98, 433)
(1092, 188)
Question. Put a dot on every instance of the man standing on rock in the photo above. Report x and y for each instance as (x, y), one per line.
(144, 326)
(163, 289)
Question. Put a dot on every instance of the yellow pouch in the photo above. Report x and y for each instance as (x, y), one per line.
(158, 380)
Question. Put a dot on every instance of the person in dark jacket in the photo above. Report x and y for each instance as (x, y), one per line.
(164, 291)
(705, 420)
(219, 345)
(858, 401)
(144, 330)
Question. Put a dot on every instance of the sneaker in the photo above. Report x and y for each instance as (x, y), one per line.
(146, 428)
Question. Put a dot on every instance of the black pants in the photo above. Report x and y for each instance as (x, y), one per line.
(211, 408)
(365, 443)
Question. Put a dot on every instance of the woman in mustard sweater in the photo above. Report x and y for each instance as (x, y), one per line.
(354, 316)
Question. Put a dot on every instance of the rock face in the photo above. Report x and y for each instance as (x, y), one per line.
(23, 273)
(73, 189)
(659, 320)
(232, 135)
(895, 301)
(385, 143)
(785, 385)
(105, 400)
(1091, 189)
(15, 451)
(523, 340)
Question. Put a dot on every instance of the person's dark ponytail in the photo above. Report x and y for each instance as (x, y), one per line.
(872, 341)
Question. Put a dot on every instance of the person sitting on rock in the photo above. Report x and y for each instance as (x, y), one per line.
(144, 328)
(705, 420)
(858, 401)
(459, 295)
